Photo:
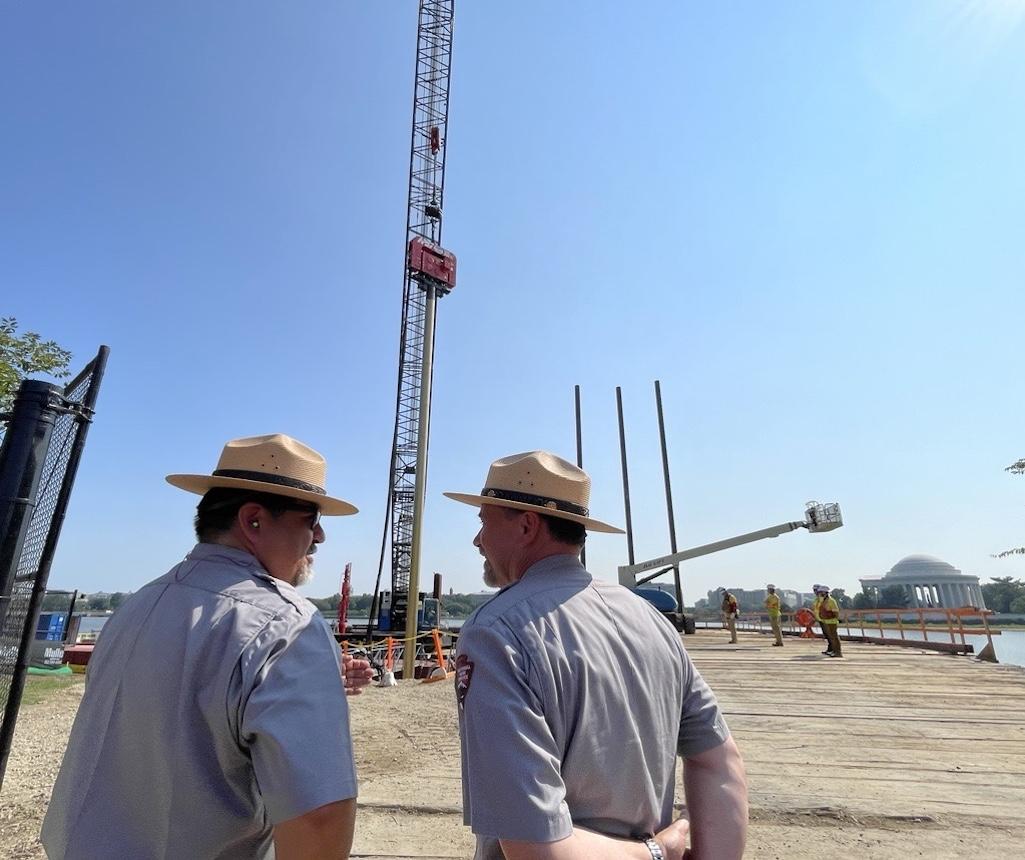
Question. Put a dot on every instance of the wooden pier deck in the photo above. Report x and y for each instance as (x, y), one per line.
(886, 753)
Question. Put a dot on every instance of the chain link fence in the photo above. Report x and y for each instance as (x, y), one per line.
(48, 469)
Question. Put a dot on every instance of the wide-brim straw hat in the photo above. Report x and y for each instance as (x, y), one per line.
(542, 482)
(275, 464)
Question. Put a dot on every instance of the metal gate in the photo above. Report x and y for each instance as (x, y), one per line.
(42, 446)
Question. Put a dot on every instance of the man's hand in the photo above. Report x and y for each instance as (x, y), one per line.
(356, 674)
(674, 839)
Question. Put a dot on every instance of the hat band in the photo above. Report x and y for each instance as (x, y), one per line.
(264, 478)
(540, 501)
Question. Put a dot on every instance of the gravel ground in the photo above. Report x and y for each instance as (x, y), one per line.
(39, 740)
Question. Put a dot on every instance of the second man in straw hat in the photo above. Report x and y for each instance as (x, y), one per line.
(575, 695)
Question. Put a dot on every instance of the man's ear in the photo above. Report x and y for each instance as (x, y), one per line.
(249, 519)
(530, 525)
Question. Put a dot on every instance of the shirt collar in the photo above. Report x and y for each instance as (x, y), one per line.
(222, 554)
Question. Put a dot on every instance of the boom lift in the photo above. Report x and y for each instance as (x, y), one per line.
(817, 518)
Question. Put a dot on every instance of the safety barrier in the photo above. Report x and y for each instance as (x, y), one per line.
(387, 656)
(939, 621)
(942, 623)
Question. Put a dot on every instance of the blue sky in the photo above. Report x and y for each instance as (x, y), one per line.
(803, 218)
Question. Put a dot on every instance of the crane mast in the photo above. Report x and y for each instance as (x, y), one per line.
(428, 274)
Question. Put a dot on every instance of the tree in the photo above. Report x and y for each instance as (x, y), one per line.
(1018, 604)
(1002, 592)
(21, 355)
(893, 597)
(98, 602)
(1017, 468)
(841, 598)
(864, 600)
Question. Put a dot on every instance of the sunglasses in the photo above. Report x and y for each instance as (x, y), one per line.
(312, 510)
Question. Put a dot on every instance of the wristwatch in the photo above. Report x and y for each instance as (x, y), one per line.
(655, 849)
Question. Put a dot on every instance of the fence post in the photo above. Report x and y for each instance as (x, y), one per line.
(22, 456)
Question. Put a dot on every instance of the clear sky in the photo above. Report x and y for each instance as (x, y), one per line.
(804, 218)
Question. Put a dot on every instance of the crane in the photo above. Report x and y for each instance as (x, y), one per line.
(428, 275)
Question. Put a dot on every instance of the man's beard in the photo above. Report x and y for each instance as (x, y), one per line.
(490, 578)
(304, 572)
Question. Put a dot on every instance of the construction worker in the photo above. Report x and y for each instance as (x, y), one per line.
(772, 605)
(828, 613)
(729, 614)
(817, 591)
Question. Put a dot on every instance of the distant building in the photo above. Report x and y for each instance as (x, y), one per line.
(930, 582)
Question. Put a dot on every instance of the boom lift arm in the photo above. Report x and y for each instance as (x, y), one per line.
(817, 518)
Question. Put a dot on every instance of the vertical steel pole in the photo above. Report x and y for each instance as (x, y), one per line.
(669, 494)
(580, 458)
(626, 477)
(420, 488)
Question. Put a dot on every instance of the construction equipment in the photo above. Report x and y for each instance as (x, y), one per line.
(429, 273)
(817, 518)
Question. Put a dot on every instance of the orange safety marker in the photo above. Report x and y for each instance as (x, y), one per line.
(805, 619)
(388, 675)
(440, 673)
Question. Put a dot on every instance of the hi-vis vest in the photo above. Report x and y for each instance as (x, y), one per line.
(829, 605)
(772, 604)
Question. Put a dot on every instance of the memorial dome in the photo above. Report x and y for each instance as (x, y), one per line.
(921, 566)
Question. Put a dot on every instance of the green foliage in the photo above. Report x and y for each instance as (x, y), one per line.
(453, 605)
(864, 600)
(893, 597)
(1002, 593)
(25, 354)
(1018, 604)
(841, 598)
(56, 602)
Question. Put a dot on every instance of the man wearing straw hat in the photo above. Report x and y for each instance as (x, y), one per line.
(214, 722)
(576, 695)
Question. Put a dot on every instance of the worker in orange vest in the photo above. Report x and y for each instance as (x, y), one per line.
(772, 605)
(730, 610)
(828, 613)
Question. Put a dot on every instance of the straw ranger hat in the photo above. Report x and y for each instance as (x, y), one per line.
(541, 482)
(275, 464)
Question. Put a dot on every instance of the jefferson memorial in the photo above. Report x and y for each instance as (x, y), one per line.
(930, 582)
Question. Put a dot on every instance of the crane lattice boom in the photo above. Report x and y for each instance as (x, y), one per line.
(423, 222)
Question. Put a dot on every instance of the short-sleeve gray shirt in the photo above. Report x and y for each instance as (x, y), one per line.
(213, 710)
(575, 696)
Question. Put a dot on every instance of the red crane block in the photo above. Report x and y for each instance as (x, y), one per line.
(432, 263)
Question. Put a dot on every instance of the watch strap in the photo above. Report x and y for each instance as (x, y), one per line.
(655, 849)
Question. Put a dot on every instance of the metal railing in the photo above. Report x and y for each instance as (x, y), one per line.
(871, 625)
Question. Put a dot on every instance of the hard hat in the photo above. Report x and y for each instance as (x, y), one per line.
(770, 585)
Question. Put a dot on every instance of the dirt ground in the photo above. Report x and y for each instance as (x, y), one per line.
(924, 756)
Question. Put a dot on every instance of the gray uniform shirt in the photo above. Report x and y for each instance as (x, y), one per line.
(575, 697)
(213, 710)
